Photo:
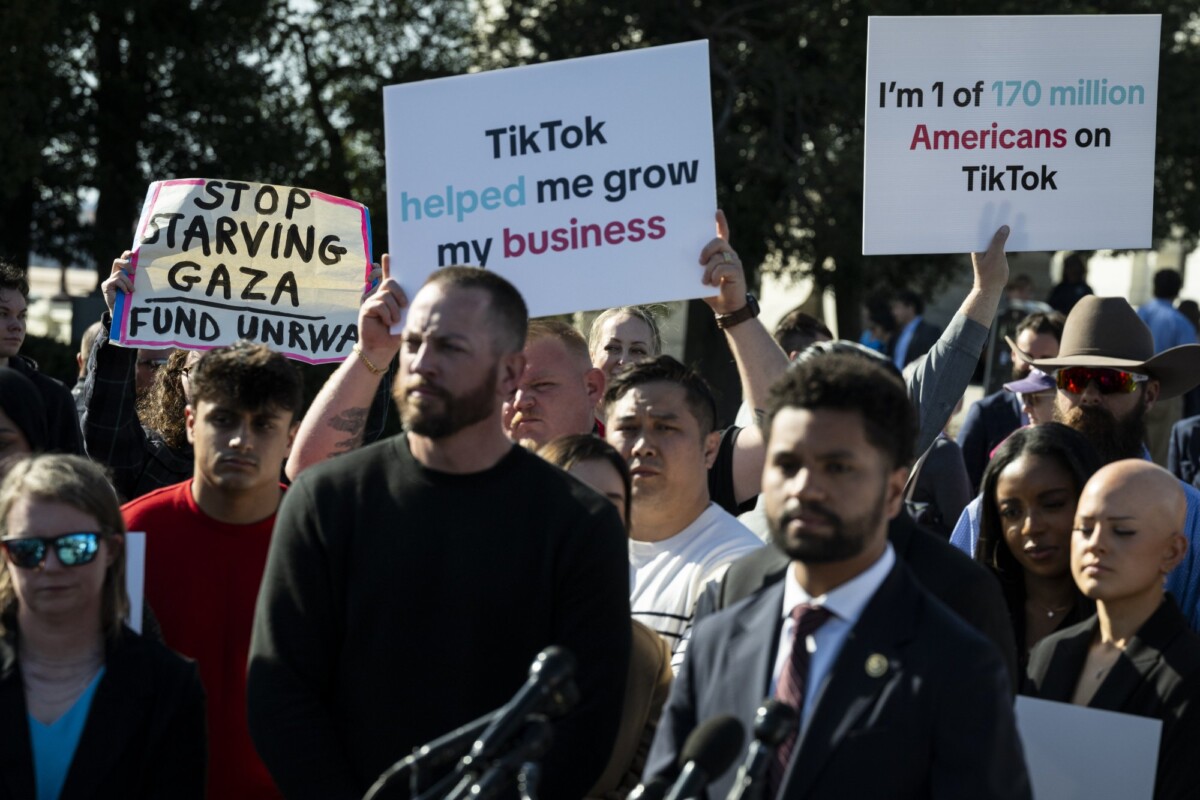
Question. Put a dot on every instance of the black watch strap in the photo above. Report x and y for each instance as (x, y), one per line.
(748, 311)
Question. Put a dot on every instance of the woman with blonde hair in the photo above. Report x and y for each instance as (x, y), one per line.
(88, 708)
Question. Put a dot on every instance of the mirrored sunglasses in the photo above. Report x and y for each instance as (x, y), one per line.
(72, 549)
(1109, 381)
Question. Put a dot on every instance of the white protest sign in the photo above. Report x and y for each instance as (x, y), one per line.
(216, 261)
(135, 577)
(1045, 124)
(586, 183)
(1079, 753)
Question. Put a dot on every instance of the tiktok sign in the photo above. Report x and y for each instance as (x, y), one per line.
(966, 131)
(581, 192)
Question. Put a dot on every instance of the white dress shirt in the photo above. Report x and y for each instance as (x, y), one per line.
(846, 603)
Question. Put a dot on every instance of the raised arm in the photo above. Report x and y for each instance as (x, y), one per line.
(336, 420)
(940, 377)
(112, 434)
(760, 360)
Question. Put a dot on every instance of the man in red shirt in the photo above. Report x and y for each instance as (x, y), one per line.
(207, 538)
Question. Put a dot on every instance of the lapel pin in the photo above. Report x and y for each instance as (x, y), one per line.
(877, 665)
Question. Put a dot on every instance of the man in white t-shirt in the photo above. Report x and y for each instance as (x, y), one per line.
(660, 415)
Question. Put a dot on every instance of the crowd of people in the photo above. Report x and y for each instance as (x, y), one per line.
(320, 599)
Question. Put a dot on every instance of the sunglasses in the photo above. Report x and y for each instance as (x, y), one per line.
(72, 549)
(1109, 381)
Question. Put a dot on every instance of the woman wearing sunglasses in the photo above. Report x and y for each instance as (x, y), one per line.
(1029, 493)
(87, 707)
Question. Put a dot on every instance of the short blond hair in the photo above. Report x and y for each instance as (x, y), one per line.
(81, 484)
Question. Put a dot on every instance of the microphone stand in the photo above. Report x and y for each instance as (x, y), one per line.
(441, 750)
(483, 784)
(528, 780)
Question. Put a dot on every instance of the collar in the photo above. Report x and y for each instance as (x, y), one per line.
(913, 323)
(848, 600)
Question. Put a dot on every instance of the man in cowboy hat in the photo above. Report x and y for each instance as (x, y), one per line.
(1108, 377)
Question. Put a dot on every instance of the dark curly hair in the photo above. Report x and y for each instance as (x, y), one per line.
(160, 409)
(248, 375)
(850, 382)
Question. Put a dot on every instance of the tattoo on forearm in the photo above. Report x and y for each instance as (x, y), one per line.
(352, 421)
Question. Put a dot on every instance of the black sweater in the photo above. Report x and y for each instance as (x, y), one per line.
(399, 603)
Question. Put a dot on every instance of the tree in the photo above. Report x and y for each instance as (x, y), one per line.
(788, 102)
(108, 95)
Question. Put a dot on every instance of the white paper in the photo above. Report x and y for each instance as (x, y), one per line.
(1079, 753)
(916, 198)
(135, 577)
(641, 120)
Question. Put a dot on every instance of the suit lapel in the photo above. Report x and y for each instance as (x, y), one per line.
(1062, 673)
(752, 649)
(850, 690)
(1140, 658)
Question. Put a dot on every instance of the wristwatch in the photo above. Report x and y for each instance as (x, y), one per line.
(748, 311)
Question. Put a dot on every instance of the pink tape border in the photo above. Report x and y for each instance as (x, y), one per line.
(123, 312)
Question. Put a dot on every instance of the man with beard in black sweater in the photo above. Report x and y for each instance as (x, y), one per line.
(411, 583)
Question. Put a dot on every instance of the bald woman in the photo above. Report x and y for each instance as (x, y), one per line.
(1136, 654)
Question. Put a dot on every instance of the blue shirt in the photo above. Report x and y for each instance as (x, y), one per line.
(54, 744)
(903, 341)
(1184, 580)
(1170, 328)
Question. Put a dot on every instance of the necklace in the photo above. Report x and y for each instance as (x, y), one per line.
(1051, 613)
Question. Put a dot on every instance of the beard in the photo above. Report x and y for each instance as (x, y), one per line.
(1020, 370)
(449, 413)
(1113, 439)
(847, 539)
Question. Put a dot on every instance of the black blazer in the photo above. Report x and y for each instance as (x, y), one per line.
(936, 722)
(1157, 676)
(965, 587)
(144, 736)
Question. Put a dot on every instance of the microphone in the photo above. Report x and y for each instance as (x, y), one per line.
(655, 789)
(552, 668)
(453, 745)
(772, 724)
(531, 746)
(708, 752)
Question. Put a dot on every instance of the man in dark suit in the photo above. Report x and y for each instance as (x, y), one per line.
(895, 695)
(990, 421)
(914, 336)
(1183, 455)
(962, 584)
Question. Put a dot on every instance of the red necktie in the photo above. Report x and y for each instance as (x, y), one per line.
(792, 681)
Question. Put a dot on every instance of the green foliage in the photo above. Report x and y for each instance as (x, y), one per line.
(104, 96)
(788, 103)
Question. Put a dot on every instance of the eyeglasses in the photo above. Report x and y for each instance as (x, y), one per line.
(152, 363)
(72, 549)
(1109, 381)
